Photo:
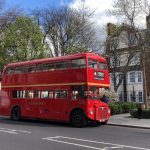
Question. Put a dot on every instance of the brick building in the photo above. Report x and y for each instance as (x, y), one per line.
(147, 57)
(126, 48)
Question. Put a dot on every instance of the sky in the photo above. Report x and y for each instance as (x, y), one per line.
(33, 4)
(100, 19)
(99, 5)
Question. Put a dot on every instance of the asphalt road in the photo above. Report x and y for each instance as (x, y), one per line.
(44, 135)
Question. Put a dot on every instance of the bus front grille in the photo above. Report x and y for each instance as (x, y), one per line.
(101, 114)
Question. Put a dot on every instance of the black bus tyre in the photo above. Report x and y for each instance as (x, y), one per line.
(104, 123)
(16, 114)
(100, 123)
(78, 119)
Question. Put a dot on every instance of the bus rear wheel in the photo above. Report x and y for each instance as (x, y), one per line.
(16, 114)
(78, 119)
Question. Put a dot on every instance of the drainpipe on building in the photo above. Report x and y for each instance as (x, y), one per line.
(144, 83)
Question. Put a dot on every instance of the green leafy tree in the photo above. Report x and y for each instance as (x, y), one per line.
(22, 41)
(7, 17)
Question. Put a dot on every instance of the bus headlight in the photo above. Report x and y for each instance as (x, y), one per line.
(109, 111)
(91, 112)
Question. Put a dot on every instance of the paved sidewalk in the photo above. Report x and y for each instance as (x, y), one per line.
(128, 121)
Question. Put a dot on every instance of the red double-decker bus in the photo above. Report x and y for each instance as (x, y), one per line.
(63, 88)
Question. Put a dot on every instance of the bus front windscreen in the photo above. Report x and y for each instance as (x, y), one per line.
(93, 93)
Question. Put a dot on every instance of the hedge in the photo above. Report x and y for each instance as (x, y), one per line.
(145, 113)
(122, 107)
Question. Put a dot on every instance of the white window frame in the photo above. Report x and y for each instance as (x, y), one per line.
(140, 97)
(132, 77)
(139, 77)
(131, 96)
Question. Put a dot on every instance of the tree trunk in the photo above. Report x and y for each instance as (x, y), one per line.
(125, 89)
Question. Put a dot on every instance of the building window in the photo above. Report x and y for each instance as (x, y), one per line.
(114, 43)
(135, 60)
(115, 62)
(132, 97)
(132, 39)
(120, 95)
(132, 77)
(140, 96)
(139, 75)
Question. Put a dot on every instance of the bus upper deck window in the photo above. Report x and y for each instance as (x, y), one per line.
(38, 67)
(92, 64)
(103, 66)
(48, 67)
(19, 70)
(78, 63)
(29, 69)
(62, 65)
(9, 71)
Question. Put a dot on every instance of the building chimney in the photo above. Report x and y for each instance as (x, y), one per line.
(111, 28)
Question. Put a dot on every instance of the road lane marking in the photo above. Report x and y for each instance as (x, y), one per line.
(24, 131)
(13, 131)
(80, 145)
(7, 131)
(57, 139)
(116, 147)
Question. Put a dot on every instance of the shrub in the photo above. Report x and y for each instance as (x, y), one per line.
(126, 107)
(133, 105)
(134, 113)
(145, 113)
(121, 107)
(114, 108)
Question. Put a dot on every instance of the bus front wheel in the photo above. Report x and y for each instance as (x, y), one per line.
(78, 119)
(104, 123)
(16, 114)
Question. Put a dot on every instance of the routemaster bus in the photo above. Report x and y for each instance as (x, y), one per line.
(65, 88)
